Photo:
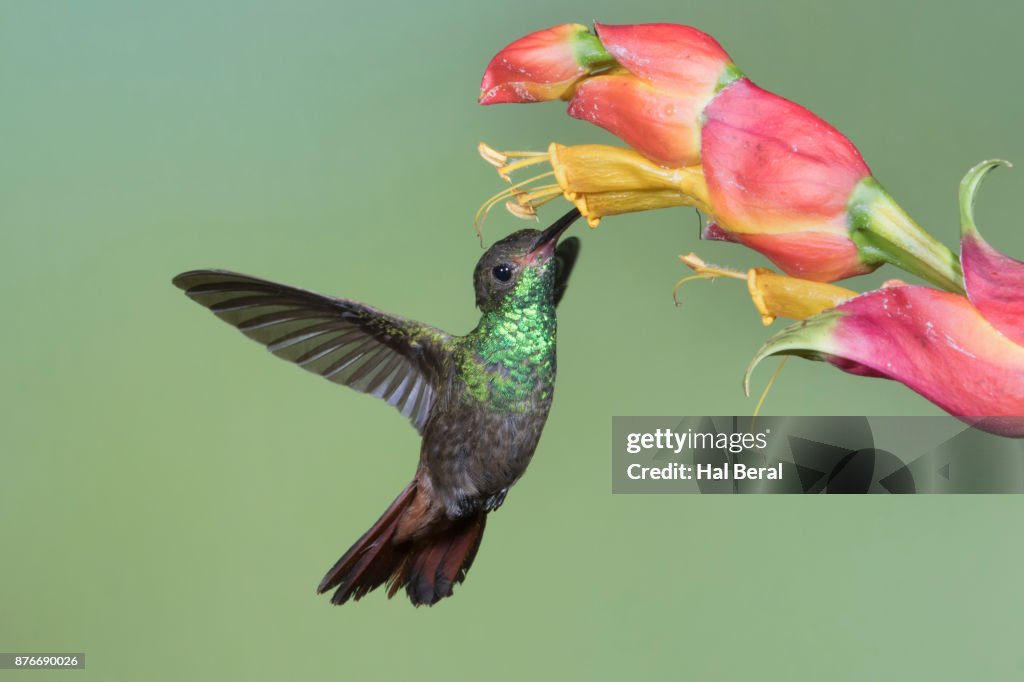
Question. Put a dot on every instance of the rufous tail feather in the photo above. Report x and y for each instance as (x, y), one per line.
(427, 567)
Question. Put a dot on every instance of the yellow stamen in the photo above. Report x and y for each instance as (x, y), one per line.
(545, 192)
(491, 155)
(684, 280)
(485, 208)
(500, 159)
(538, 203)
(520, 210)
(506, 169)
(697, 264)
(704, 271)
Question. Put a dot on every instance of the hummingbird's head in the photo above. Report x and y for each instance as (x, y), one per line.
(521, 262)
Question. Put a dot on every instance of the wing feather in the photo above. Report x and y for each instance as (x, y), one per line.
(344, 341)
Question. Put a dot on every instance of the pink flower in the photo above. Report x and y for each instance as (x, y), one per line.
(778, 178)
(647, 83)
(963, 353)
(541, 66)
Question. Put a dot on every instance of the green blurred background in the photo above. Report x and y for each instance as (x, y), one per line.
(170, 494)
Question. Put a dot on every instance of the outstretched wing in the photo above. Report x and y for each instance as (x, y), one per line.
(565, 258)
(341, 340)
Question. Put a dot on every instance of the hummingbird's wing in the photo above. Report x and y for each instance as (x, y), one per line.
(565, 258)
(341, 340)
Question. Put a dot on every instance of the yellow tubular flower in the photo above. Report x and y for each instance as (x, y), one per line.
(776, 295)
(599, 179)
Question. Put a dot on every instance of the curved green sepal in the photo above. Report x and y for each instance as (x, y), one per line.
(969, 190)
(811, 339)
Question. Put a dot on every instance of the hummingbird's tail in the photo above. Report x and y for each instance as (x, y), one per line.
(428, 566)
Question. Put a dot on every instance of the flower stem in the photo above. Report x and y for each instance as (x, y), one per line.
(883, 232)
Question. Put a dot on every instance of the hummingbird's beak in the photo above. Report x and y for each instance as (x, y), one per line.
(545, 246)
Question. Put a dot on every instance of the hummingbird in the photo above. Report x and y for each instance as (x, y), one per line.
(479, 401)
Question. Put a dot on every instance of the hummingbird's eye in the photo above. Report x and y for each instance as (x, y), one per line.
(502, 272)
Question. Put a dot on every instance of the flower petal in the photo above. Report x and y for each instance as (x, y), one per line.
(662, 126)
(934, 342)
(994, 282)
(668, 56)
(541, 66)
(816, 255)
(773, 166)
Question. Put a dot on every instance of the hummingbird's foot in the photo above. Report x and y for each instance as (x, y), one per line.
(495, 501)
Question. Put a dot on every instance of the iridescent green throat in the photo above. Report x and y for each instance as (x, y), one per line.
(508, 361)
